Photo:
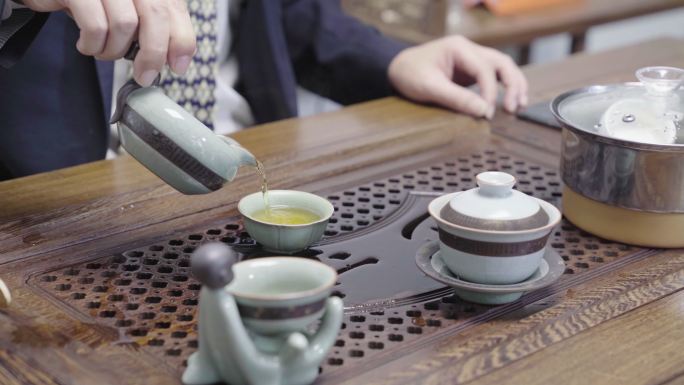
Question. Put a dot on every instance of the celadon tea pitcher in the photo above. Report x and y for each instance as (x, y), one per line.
(173, 144)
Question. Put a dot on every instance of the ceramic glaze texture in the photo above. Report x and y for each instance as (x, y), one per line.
(175, 145)
(158, 164)
(492, 270)
(228, 353)
(286, 239)
(494, 205)
(184, 130)
(281, 294)
(429, 260)
(490, 256)
(232, 350)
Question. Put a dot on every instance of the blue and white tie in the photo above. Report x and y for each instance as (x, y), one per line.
(194, 91)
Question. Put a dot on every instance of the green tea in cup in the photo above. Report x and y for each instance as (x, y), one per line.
(294, 220)
(286, 215)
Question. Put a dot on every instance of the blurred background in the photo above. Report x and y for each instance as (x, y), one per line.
(531, 31)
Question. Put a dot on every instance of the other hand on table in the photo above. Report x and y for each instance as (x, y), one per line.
(438, 71)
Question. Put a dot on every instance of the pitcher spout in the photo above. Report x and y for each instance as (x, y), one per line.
(245, 158)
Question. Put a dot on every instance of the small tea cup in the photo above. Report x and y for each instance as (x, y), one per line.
(279, 295)
(285, 239)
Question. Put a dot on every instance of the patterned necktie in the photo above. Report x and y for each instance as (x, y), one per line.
(194, 91)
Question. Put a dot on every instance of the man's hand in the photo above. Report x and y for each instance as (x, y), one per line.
(436, 72)
(108, 27)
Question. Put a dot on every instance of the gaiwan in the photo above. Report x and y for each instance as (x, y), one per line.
(493, 234)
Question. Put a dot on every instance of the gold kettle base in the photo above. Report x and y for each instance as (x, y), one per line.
(641, 228)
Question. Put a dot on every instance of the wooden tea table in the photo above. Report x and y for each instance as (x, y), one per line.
(97, 256)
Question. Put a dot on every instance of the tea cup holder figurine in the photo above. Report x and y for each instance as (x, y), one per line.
(254, 316)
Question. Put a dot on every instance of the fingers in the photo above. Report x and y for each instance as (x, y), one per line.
(426, 73)
(469, 61)
(91, 19)
(483, 72)
(123, 25)
(182, 43)
(487, 82)
(511, 77)
(153, 37)
(457, 98)
(485, 64)
(108, 27)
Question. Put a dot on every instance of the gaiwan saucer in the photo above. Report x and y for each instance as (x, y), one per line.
(430, 262)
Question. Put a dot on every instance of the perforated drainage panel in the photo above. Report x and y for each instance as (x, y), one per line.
(149, 296)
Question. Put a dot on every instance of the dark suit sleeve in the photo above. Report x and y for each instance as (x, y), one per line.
(17, 32)
(334, 54)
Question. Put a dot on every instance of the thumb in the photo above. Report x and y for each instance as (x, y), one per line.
(295, 345)
(457, 98)
(297, 341)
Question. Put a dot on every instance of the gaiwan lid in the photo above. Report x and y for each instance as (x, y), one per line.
(495, 205)
(651, 111)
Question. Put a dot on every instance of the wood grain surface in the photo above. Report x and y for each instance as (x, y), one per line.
(619, 324)
(514, 348)
(647, 342)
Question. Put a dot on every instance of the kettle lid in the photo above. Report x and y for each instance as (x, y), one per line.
(650, 111)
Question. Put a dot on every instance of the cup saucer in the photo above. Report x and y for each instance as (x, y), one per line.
(430, 262)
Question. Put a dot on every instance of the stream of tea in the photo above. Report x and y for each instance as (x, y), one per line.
(264, 183)
(280, 214)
